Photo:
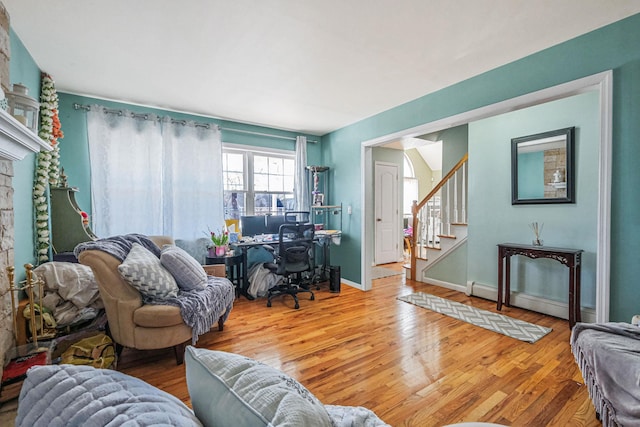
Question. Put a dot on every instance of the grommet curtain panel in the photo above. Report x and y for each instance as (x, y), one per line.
(153, 175)
(301, 192)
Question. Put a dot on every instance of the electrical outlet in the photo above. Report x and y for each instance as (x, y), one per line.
(349, 210)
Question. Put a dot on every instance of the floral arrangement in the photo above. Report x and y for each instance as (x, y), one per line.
(220, 239)
(47, 165)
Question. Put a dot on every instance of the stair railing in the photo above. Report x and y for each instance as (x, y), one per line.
(443, 207)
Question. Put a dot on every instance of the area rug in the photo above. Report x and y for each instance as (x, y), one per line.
(380, 272)
(495, 322)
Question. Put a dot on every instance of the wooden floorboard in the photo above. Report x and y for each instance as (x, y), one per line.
(410, 365)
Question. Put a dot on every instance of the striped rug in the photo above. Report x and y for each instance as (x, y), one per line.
(502, 324)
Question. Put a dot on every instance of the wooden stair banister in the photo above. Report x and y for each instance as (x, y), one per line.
(417, 207)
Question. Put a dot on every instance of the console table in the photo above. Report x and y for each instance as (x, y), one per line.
(572, 258)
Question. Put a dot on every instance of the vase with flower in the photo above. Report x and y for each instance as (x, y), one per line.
(219, 243)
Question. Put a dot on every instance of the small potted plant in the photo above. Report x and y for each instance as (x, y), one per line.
(219, 243)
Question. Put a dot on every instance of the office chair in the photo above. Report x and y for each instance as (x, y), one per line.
(294, 258)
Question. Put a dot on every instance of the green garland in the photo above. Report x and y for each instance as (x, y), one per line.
(47, 166)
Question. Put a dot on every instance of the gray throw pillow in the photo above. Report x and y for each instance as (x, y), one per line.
(228, 389)
(188, 272)
(142, 270)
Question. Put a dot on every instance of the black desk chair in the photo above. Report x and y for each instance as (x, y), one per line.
(294, 259)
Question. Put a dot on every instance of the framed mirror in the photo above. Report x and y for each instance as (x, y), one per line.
(542, 168)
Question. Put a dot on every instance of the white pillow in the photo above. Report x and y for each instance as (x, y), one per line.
(228, 389)
(188, 272)
(142, 270)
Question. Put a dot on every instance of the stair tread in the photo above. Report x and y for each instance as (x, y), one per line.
(448, 236)
(460, 223)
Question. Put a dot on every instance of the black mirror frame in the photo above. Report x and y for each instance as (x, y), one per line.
(570, 168)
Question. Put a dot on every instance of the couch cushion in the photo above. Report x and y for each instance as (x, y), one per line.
(229, 389)
(188, 272)
(69, 395)
(143, 270)
(157, 316)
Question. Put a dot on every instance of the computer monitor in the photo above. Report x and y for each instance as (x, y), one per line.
(253, 225)
(274, 222)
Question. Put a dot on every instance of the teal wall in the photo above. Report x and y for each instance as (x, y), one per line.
(74, 150)
(493, 219)
(451, 269)
(23, 69)
(614, 47)
(455, 144)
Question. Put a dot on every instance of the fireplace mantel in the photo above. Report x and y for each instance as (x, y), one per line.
(16, 140)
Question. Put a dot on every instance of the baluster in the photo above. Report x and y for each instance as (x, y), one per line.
(455, 197)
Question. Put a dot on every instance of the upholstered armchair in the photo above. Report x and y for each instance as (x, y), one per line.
(134, 324)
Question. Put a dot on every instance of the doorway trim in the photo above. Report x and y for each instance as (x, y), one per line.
(601, 82)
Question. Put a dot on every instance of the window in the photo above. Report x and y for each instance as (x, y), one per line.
(410, 186)
(257, 181)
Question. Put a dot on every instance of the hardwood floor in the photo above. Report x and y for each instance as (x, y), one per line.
(412, 366)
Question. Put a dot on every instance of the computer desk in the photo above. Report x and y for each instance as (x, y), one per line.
(323, 237)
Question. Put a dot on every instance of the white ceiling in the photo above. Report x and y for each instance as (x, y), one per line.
(304, 65)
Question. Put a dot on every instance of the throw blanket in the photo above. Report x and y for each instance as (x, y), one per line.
(200, 308)
(608, 355)
(118, 246)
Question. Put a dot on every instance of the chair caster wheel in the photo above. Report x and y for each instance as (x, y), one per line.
(312, 297)
(268, 303)
(297, 306)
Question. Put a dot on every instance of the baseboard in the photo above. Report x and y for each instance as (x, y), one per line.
(530, 302)
(352, 284)
(448, 285)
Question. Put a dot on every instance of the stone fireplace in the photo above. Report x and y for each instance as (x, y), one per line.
(16, 141)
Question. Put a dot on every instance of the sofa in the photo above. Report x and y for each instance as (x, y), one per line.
(226, 389)
(608, 355)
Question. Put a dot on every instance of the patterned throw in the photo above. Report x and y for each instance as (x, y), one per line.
(495, 322)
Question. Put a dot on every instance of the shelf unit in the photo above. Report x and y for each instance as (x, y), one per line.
(329, 216)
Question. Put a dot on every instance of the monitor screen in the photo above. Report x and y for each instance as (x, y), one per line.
(253, 225)
(274, 222)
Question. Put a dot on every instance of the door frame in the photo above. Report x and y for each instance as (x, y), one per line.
(601, 82)
(397, 213)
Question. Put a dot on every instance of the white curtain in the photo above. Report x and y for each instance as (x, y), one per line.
(300, 178)
(126, 163)
(192, 180)
(153, 177)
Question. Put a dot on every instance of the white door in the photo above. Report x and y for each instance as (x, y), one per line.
(386, 211)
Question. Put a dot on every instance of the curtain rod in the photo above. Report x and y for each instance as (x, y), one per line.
(143, 116)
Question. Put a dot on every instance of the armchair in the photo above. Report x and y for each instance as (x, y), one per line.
(131, 323)
(294, 257)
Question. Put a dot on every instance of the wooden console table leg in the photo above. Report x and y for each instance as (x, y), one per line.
(572, 297)
(500, 263)
(507, 281)
(578, 316)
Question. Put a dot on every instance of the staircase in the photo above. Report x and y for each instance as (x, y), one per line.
(439, 221)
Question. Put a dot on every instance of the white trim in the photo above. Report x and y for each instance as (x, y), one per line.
(603, 83)
(353, 284)
(16, 140)
(447, 285)
(603, 260)
(533, 303)
(366, 201)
